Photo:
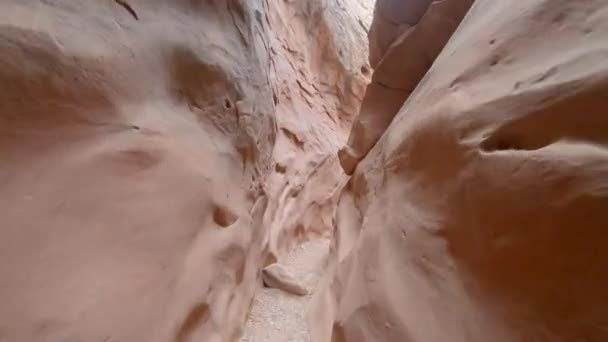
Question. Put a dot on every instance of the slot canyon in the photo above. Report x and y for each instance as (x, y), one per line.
(303, 171)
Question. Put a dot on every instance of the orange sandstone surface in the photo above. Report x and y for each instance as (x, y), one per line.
(480, 214)
(156, 155)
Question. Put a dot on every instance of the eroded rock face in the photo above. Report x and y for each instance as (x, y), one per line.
(405, 38)
(480, 214)
(154, 156)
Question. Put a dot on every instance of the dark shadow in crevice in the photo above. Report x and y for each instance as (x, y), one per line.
(580, 117)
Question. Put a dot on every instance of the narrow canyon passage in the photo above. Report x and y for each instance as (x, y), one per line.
(424, 170)
(279, 316)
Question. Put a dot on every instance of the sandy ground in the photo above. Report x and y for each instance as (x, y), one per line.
(277, 316)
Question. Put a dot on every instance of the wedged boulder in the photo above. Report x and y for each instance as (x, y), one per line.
(278, 277)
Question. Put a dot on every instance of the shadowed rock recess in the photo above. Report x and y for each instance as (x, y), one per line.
(156, 156)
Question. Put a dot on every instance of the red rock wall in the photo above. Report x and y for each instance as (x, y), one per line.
(480, 213)
(154, 156)
(405, 38)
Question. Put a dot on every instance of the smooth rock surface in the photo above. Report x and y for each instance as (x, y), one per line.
(481, 213)
(155, 155)
(418, 30)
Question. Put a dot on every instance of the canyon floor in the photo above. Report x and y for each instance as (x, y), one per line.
(277, 316)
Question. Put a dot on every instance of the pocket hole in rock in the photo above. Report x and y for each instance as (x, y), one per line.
(280, 168)
(223, 216)
(227, 104)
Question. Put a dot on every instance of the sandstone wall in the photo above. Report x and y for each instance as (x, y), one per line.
(155, 154)
(480, 213)
(405, 38)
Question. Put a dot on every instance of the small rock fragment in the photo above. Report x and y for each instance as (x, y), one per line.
(276, 276)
